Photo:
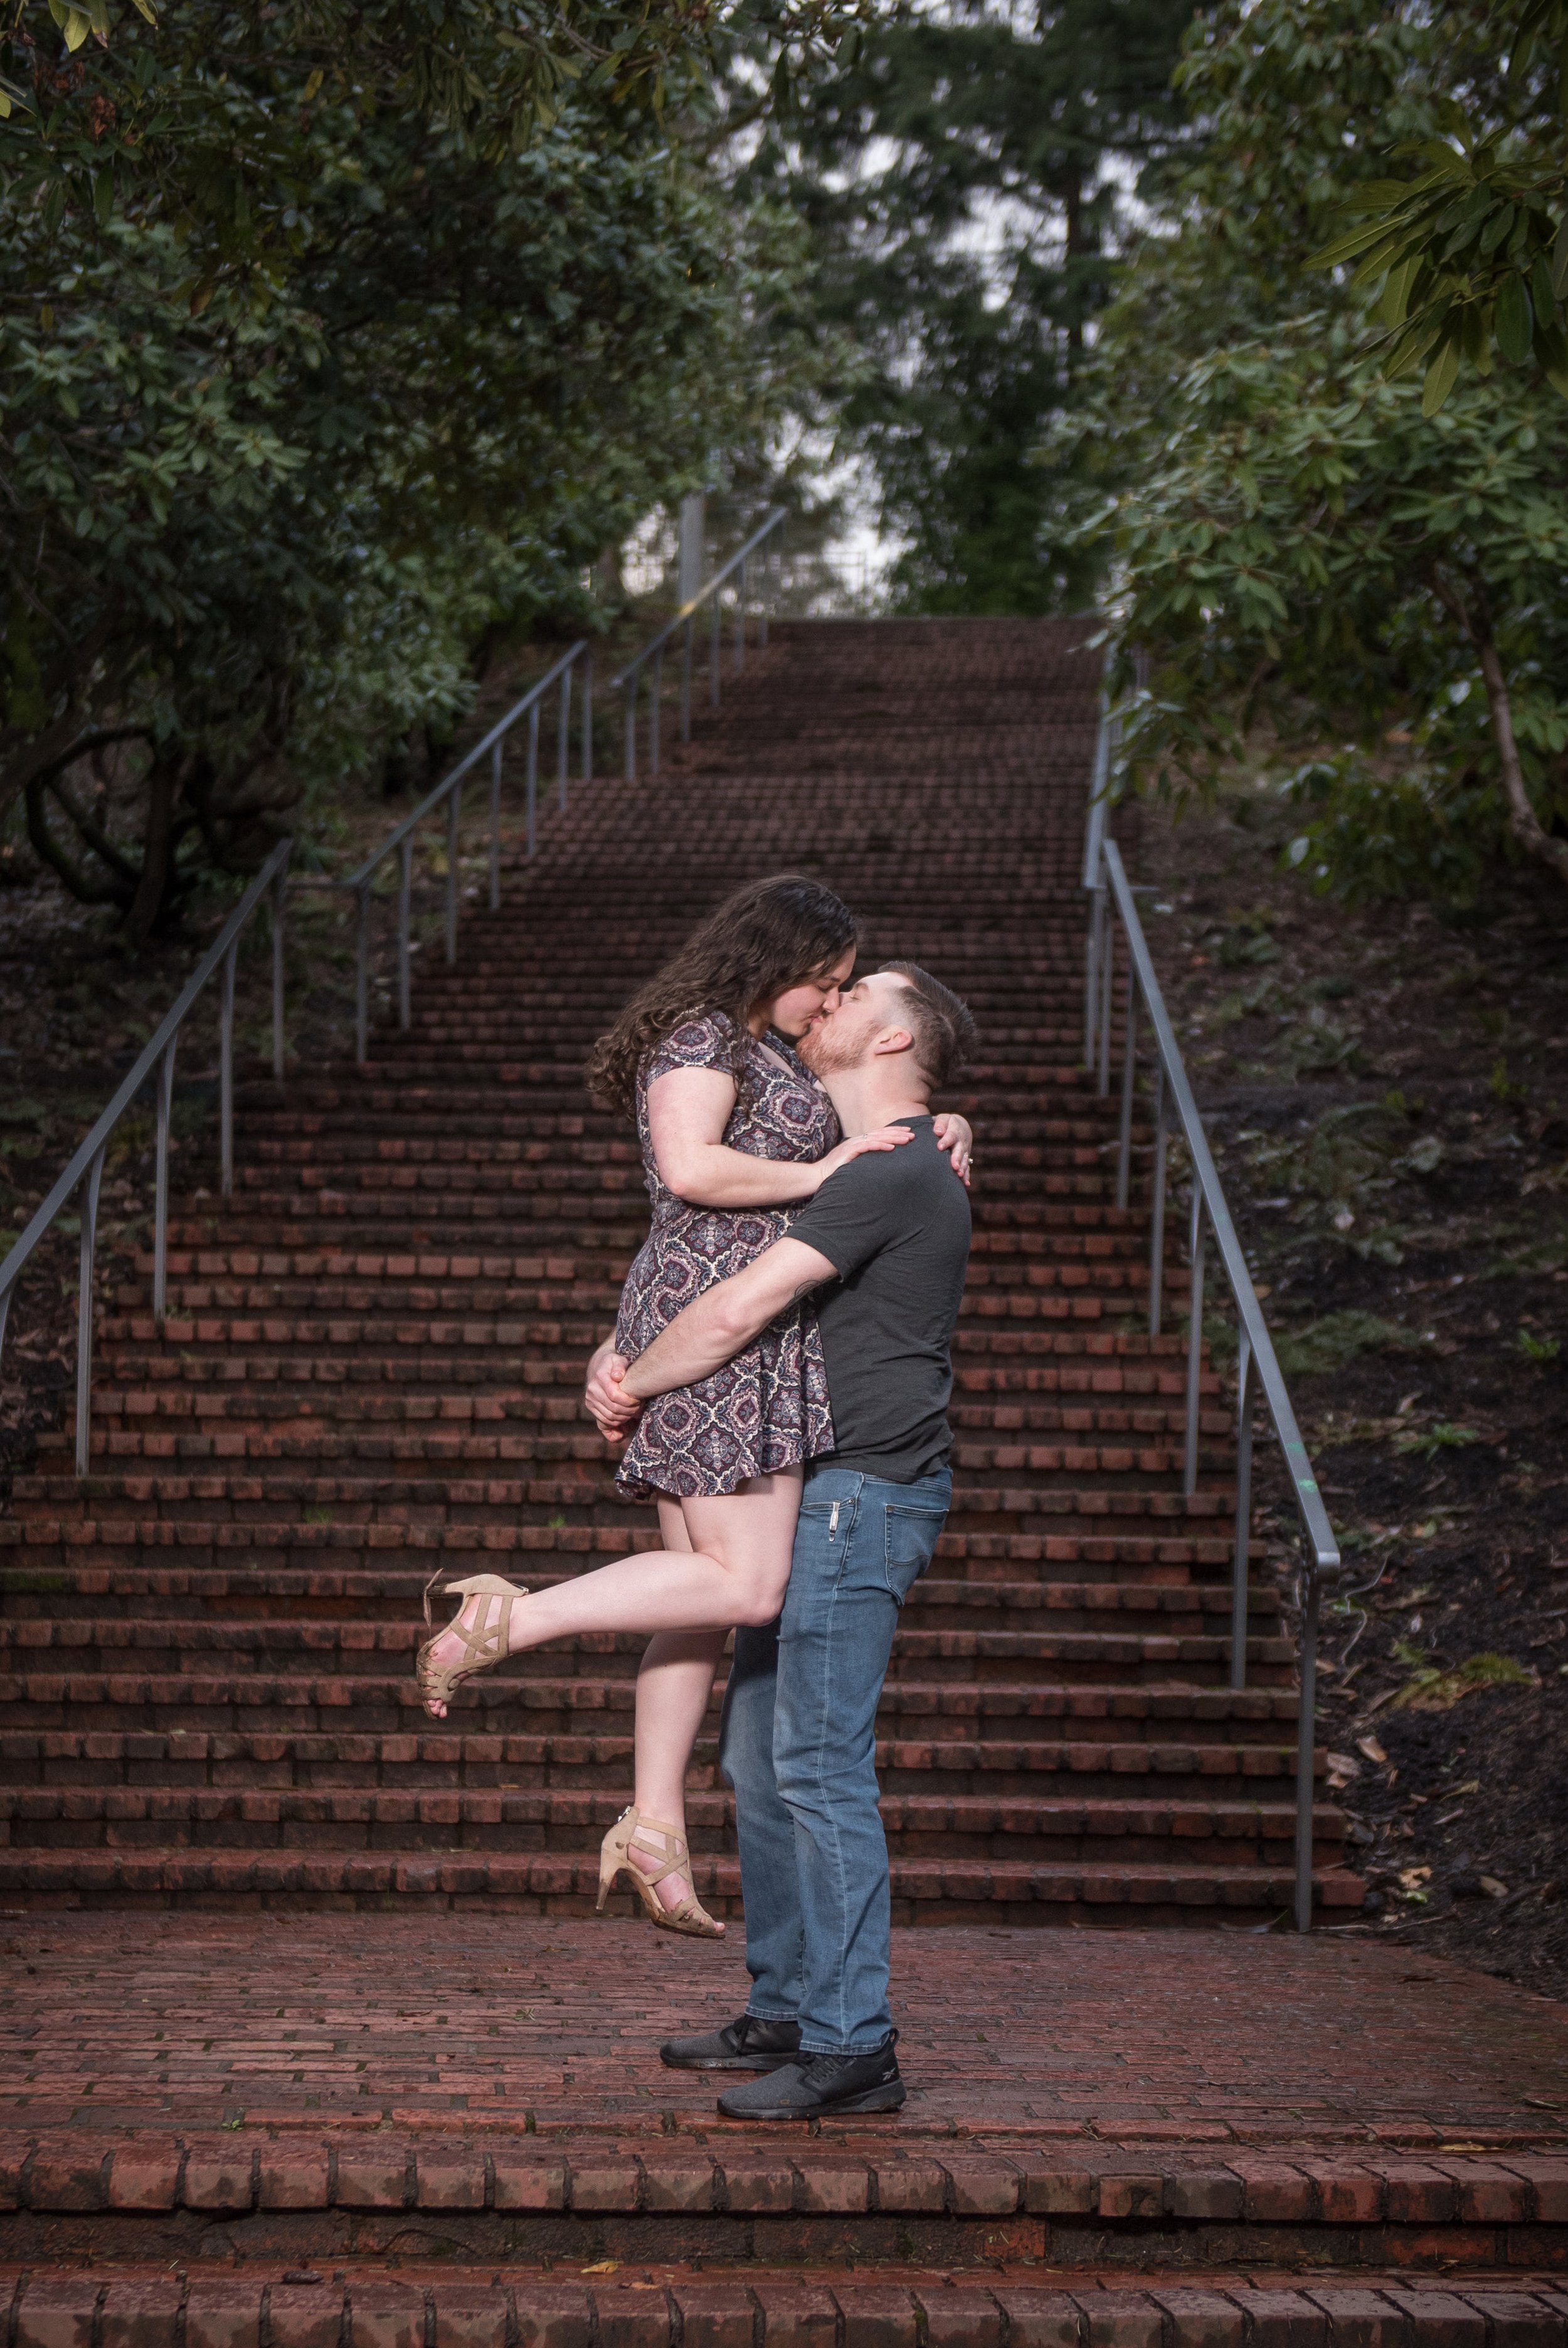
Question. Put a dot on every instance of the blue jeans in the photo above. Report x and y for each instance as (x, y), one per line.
(798, 1746)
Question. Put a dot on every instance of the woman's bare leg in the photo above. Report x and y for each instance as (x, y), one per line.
(735, 1572)
(675, 1684)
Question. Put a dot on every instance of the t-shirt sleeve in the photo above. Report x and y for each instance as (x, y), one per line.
(854, 1214)
(697, 1042)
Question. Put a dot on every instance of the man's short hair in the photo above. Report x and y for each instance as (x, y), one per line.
(941, 1024)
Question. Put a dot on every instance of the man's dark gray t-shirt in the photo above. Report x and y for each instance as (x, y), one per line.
(894, 1224)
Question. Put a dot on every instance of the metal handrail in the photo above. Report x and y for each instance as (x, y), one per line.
(85, 1171)
(1257, 1366)
(629, 678)
(400, 840)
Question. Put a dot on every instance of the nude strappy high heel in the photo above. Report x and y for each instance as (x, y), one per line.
(440, 1681)
(631, 1830)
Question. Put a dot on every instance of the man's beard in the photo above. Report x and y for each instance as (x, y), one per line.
(829, 1046)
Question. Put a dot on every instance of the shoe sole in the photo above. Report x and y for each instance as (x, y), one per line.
(870, 2099)
(730, 2063)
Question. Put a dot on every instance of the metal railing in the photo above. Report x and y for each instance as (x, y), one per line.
(629, 679)
(447, 793)
(83, 1178)
(1113, 903)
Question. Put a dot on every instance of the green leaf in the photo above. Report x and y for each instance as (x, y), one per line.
(1396, 295)
(1441, 376)
(1515, 322)
(103, 197)
(1560, 258)
(1344, 248)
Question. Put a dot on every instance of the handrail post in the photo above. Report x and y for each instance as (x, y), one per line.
(715, 653)
(1306, 1740)
(770, 572)
(495, 830)
(1092, 971)
(280, 890)
(226, 1071)
(1129, 1071)
(165, 1115)
(587, 716)
(654, 690)
(533, 776)
(362, 978)
(564, 740)
(688, 634)
(454, 815)
(1157, 1230)
(740, 622)
(91, 1186)
(1242, 1555)
(630, 728)
(405, 902)
(1195, 1339)
(1107, 984)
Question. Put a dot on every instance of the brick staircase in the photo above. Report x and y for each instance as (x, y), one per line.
(374, 1352)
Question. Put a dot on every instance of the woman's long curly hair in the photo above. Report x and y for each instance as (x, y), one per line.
(764, 938)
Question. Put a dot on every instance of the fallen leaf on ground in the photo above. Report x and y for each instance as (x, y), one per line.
(1431, 1689)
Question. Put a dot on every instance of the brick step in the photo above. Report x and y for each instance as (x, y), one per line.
(1003, 1260)
(196, 1257)
(1166, 1599)
(439, 1351)
(273, 1441)
(1059, 1831)
(1073, 1419)
(208, 1645)
(566, 1114)
(268, 1414)
(350, 1160)
(563, 1883)
(510, 1173)
(374, 1223)
(367, 1704)
(1092, 1571)
(561, 1474)
(505, 1545)
(1096, 1762)
(855, 2287)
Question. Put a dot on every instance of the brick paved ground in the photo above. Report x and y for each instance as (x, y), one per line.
(468, 2022)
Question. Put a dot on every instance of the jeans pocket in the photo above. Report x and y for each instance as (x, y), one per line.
(911, 1538)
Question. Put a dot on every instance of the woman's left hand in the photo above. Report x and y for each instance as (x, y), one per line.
(955, 1134)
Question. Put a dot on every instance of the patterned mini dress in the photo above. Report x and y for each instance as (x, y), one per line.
(768, 1408)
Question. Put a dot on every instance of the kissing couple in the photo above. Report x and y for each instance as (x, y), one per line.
(782, 1365)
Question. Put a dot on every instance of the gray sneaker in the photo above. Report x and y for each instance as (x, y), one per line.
(816, 2083)
(751, 2043)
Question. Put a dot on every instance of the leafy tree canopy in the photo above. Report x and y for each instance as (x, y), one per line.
(1299, 544)
(1467, 241)
(361, 337)
(960, 174)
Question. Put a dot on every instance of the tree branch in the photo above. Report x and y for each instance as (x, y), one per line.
(1522, 820)
(46, 848)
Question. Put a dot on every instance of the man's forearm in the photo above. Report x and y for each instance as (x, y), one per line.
(722, 1324)
(697, 1342)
